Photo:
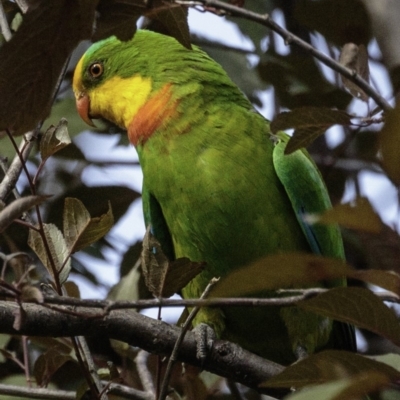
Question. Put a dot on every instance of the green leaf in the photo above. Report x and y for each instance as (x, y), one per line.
(58, 251)
(356, 306)
(54, 139)
(308, 124)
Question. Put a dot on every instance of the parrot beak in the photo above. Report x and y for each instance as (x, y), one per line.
(83, 107)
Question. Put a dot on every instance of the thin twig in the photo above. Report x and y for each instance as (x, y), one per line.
(5, 29)
(290, 38)
(144, 373)
(10, 179)
(37, 393)
(106, 306)
(91, 368)
(178, 343)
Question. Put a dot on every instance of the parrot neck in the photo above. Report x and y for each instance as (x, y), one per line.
(152, 115)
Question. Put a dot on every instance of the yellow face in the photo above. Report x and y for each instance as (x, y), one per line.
(115, 99)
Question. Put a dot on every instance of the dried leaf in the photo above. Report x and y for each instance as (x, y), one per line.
(328, 365)
(308, 124)
(72, 289)
(390, 145)
(164, 278)
(355, 58)
(356, 306)
(80, 230)
(15, 209)
(357, 214)
(58, 250)
(54, 139)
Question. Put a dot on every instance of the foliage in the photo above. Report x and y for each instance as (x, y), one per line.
(53, 215)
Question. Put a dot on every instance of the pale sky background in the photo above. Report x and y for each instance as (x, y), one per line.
(376, 188)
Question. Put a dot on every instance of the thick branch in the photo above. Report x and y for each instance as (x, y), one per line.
(290, 38)
(226, 359)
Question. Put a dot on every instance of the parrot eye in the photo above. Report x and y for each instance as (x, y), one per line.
(96, 70)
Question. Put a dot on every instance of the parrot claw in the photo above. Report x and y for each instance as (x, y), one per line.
(205, 337)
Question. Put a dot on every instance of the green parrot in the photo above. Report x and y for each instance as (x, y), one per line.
(216, 184)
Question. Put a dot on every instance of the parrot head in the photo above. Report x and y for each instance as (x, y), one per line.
(142, 84)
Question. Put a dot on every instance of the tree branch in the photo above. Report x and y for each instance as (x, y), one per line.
(225, 359)
(290, 38)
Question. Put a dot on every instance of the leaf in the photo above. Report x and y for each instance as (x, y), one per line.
(279, 271)
(15, 209)
(54, 139)
(356, 306)
(80, 230)
(58, 250)
(96, 200)
(357, 214)
(309, 123)
(164, 278)
(127, 288)
(393, 360)
(49, 363)
(344, 389)
(117, 17)
(32, 61)
(326, 366)
(173, 18)
(298, 82)
(390, 145)
(388, 280)
(355, 58)
(339, 21)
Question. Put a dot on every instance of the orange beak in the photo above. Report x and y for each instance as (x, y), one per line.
(83, 107)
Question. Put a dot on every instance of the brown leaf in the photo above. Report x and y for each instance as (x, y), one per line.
(279, 271)
(58, 250)
(388, 280)
(173, 18)
(357, 214)
(80, 230)
(15, 209)
(48, 363)
(308, 124)
(355, 58)
(117, 17)
(356, 306)
(54, 139)
(31, 62)
(164, 278)
(390, 145)
(326, 366)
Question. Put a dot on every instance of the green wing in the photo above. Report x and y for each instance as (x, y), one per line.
(308, 194)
